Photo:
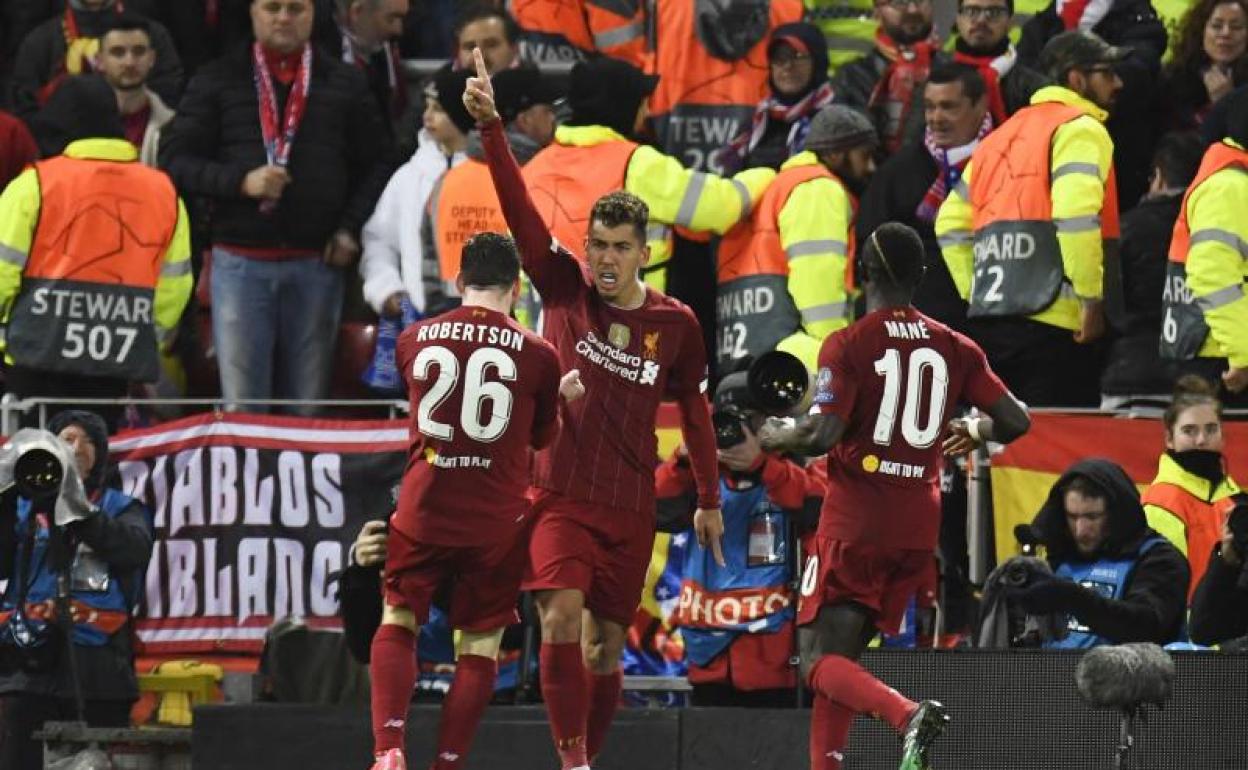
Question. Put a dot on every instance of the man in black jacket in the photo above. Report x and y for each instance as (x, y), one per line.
(66, 45)
(1134, 369)
(912, 184)
(289, 145)
(1116, 579)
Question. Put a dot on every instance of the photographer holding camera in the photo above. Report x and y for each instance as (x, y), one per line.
(75, 545)
(1220, 605)
(736, 618)
(1115, 579)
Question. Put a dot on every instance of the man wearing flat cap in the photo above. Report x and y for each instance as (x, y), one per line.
(785, 274)
(1028, 231)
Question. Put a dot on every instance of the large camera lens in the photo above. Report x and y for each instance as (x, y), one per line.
(38, 472)
(728, 430)
(777, 382)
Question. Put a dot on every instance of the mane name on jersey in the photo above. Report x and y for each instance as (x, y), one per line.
(486, 334)
(907, 330)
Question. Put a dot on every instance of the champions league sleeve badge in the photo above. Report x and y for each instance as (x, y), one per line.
(823, 386)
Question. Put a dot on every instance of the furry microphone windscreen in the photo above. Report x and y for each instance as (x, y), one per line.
(1125, 676)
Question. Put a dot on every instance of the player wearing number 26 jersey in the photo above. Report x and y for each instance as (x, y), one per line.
(483, 391)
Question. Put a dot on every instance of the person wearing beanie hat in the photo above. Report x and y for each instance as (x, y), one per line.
(797, 58)
(1042, 182)
(785, 276)
(594, 153)
(109, 550)
(393, 265)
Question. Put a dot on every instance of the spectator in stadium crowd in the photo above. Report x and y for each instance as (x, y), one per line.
(68, 44)
(1043, 179)
(887, 83)
(126, 59)
(1115, 578)
(769, 500)
(798, 87)
(785, 276)
(490, 28)
(1192, 494)
(594, 153)
(561, 31)
(1204, 305)
(1134, 369)
(111, 548)
(53, 218)
(525, 100)
(17, 148)
(288, 144)
(202, 30)
(594, 528)
(1220, 605)
(1134, 26)
(878, 527)
(392, 263)
(365, 31)
(912, 184)
(1208, 61)
(983, 41)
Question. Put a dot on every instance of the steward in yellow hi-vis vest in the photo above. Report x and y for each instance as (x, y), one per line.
(1205, 312)
(94, 263)
(592, 156)
(786, 275)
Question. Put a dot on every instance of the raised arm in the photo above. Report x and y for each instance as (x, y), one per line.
(551, 269)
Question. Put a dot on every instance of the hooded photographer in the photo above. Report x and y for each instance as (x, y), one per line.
(108, 549)
(1118, 580)
(737, 618)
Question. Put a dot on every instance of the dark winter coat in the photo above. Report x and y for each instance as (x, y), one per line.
(338, 164)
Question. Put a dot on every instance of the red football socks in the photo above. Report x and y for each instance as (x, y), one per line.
(604, 699)
(392, 668)
(843, 681)
(465, 703)
(829, 733)
(564, 690)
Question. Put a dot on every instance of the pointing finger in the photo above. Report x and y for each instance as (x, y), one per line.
(479, 60)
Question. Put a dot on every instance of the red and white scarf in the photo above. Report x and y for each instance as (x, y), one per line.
(894, 93)
(798, 115)
(279, 131)
(992, 69)
(950, 163)
(1082, 14)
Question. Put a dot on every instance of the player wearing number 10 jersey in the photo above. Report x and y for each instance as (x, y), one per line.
(483, 390)
(885, 390)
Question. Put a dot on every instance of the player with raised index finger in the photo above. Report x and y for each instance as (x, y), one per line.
(595, 508)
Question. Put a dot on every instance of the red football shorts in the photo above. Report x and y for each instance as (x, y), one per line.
(484, 581)
(601, 551)
(883, 580)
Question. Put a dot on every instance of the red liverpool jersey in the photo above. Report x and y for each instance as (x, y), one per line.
(483, 390)
(895, 378)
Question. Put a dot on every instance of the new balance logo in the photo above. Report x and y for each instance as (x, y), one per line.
(395, 723)
(448, 756)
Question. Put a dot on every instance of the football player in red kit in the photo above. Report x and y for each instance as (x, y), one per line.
(595, 507)
(884, 393)
(483, 390)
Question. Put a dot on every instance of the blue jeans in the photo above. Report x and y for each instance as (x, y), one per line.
(274, 326)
